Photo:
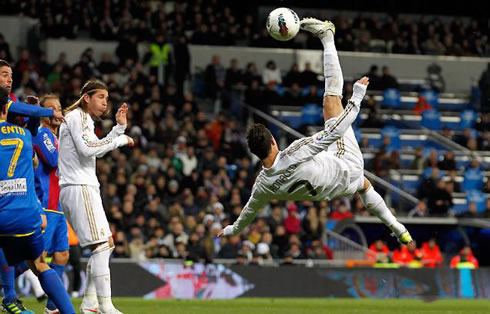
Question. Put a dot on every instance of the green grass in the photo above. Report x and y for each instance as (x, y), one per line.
(289, 306)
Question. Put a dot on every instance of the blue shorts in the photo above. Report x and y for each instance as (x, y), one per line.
(56, 233)
(18, 249)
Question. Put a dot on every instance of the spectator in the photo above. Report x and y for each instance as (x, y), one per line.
(231, 248)
(293, 76)
(341, 212)
(420, 210)
(405, 255)
(484, 84)
(376, 249)
(431, 254)
(214, 78)
(471, 213)
(308, 77)
(387, 80)
(271, 74)
(448, 162)
(292, 221)
(421, 105)
(440, 201)
(419, 160)
(464, 259)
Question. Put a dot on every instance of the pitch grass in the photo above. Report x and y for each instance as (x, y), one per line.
(289, 306)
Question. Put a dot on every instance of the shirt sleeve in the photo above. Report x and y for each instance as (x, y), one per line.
(256, 202)
(117, 130)
(306, 148)
(46, 149)
(87, 143)
(30, 110)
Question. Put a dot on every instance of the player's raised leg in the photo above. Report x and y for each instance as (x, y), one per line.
(334, 81)
(377, 206)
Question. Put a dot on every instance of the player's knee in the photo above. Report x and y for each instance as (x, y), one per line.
(61, 258)
(364, 186)
(38, 266)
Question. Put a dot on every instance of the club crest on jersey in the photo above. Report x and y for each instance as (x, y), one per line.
(320, 136)
(85, 137)
(281, 22)
(47, 142)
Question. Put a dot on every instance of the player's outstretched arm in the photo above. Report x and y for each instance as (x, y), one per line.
(34, 111)
(251, 209)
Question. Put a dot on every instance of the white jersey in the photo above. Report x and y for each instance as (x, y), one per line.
(79, 146)
(311, 168)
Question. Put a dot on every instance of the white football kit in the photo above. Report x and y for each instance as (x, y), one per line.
(327, 165)
(80, 196)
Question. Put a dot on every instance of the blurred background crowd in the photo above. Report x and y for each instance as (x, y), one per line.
(190, 173)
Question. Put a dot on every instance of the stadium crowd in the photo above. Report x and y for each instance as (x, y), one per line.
(218, 22)
(190, 172)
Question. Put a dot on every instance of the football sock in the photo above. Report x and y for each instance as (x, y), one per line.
(334, 81)
(7, 279)
(90, 296)
(102, 276)
(51, 283)
(377, 206)
(59, 269)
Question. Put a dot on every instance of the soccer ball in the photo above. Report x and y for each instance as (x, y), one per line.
(283, 24)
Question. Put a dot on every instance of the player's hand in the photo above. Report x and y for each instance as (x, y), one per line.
(121, 115)
(44, 223)
(130, 141)
(364, 80)
(227, 231)
(32, 100)
(58, 116)
(359, 89)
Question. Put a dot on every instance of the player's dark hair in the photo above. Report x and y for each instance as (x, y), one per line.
(4, 98)
(259, 140)
(4, 63)
(89, 88)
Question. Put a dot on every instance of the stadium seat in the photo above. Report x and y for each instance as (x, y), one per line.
(311, 114)
(468, 119)
(391, 98)
(431, 119)
(431, 96)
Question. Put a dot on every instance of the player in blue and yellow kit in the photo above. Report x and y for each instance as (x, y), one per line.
(17, 111)
(20, 233)
(56, 232)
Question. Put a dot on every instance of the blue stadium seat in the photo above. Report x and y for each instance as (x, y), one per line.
(468, 119)
(311, 114)
(431, 96)
(279, 90)
(431, 119)
(394, 134)
(391, 98)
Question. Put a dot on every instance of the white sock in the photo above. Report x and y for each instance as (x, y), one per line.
(90, 296)
(35, 284)
(102, 276)
(334, 81)
(377, 206)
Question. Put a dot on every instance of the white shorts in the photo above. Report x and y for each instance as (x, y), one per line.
(83, 208)
(347, 149)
